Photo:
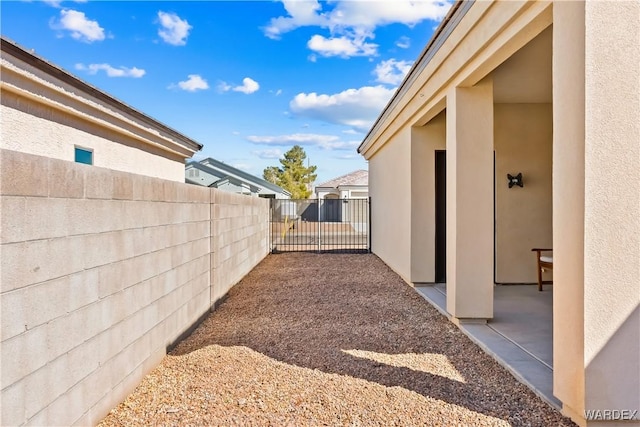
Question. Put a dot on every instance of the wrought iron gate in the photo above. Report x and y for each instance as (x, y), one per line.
(325, 225)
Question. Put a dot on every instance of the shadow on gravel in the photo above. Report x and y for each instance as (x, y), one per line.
(351, 315)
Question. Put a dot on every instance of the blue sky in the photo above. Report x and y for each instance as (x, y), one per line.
(247, 79)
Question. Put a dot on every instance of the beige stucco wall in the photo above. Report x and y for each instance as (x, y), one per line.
(425, 141)
(55, 135)
(99, 272)
(523, 140)
(456, 64)
(390, 190)
(42, 115)
(568, 206)
(612, 206)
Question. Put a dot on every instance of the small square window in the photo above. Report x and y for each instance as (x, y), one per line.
(83, 155)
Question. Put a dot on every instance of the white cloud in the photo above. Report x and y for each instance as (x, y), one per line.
(341, 46)
(357, 108)
(112, 71)
(269, 153)
(371, 14)
(301, 13)
(279, 92)
(193, 83)
(354, 21)
(403, 42)
(351, 132)
(348, 14)
(341, 145)
(173, 29)
(327, 142)
(248, 86)
(223, 87)
(79, 25)
(391, 71)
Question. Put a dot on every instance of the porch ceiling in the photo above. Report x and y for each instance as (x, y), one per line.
(526, 76)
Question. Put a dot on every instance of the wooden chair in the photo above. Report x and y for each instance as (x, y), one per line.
(545, 262)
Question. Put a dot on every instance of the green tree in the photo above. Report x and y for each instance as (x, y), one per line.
(271, 174)
(293, 175)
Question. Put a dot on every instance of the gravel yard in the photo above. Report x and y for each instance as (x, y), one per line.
(331, 339)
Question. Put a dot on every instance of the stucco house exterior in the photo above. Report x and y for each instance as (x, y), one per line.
(354, 185)
(214, 173)
(49, 112)
(549, 90)
(345, 199)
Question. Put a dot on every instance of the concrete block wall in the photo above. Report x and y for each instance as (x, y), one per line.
(99, 272)
(239, 238)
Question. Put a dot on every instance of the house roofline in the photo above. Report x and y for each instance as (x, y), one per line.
(206, 169)
(441, 33)
(235, 181)
(14, 49)
(325, 184)
(245, 175)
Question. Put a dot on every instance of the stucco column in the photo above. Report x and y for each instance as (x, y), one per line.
(470, 202)
(568, 206)
(596, 218)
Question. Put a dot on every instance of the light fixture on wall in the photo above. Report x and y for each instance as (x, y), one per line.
(515, 180)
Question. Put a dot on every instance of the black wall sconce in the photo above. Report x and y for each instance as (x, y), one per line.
(515, 180)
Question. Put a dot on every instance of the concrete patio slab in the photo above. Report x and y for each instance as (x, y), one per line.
(519, 337)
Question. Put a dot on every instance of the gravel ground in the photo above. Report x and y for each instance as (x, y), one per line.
(329, 339)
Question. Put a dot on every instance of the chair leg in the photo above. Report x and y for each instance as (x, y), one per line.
(539, 277)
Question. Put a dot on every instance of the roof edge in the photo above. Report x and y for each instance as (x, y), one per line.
(11, 47)
(420, 62)
(325, 184)
(245, 175)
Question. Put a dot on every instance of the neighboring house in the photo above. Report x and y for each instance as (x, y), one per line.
(354, 185)
(49, 112)
(213, 173)
(549, 89)
(336, 198)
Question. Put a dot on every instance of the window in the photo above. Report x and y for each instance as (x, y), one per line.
(84, 155)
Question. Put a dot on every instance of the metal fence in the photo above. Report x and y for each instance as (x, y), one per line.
(326, 225)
